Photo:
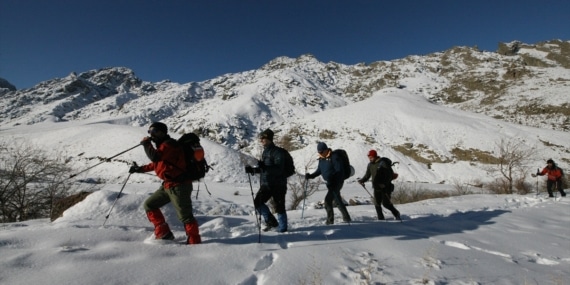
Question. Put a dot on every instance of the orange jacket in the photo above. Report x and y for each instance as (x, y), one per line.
(553, 174)
(167, 162)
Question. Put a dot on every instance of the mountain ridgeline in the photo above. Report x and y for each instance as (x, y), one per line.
(523, 84)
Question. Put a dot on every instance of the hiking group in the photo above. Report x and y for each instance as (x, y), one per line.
(180, 162)
(169, 160)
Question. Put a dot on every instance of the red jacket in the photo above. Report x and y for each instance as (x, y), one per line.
(553, 174)
(167, 162)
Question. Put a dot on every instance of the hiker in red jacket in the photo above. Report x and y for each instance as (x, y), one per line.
(167, 160)
(555, 175)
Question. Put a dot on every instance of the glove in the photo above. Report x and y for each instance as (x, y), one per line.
(360, 182)
(135, 168)
(249, 169)
(533, 175)
(145, 140)
(261, 164)
(308, 176)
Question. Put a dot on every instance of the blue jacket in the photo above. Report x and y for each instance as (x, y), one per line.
(331, 169)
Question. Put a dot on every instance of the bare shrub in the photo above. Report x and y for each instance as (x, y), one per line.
(499, 186)
(462, 188)
(512, 156)
(30, 182)
(298, 191)
(409, 193)
(300, 188)
(523, 187)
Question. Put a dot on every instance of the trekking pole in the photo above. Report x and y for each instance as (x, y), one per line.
(304, 197)
(198, 190)
(104, 160)
(372, 197)
(206, 186)
(118, 196)
(257, 220)
(537, 170)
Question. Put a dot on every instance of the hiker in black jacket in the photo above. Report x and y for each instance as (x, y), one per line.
(273, 183)
(331, 169)
(382, 176)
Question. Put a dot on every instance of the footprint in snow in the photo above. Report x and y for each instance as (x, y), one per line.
(538, 259)
(456, 245)
(72, 248)
(265, 262)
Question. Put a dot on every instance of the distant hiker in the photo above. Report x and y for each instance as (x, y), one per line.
(168, 161)
(381, 183)
(273, 182)
(332, 170)
(555, 176)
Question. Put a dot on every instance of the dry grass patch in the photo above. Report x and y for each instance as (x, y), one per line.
(327, 134)
(421, 153)
(474, 155)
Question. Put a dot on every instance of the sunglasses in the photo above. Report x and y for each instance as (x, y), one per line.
(153, 131)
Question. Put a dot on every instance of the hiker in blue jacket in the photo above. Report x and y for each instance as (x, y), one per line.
(331, 169)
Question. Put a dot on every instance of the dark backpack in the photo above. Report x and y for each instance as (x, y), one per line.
(196, 165)
(289, 167)
(390, 174)
(345, 162)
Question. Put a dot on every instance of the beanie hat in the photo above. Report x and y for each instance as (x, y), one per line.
(159, 126)
(550, 161)
(267, 134)
(372, 153)
(321, 146)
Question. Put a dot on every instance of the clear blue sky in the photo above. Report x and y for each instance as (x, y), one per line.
(184, 40)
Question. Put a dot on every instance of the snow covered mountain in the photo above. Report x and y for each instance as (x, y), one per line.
(432, 113)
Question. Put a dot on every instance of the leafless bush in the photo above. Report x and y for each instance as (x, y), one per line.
(409, 193)
(462, 188)
(523, 187)
(512, 155)
(297, 190)
(499, 186)
(30, 181)
(502, 185)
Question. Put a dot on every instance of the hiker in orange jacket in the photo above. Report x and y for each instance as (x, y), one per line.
(554, 174)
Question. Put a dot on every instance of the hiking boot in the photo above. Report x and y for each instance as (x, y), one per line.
(168, 236)
(270, 225)
(282, 221)
(192, 232)
(397, 216)
(267, 228)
